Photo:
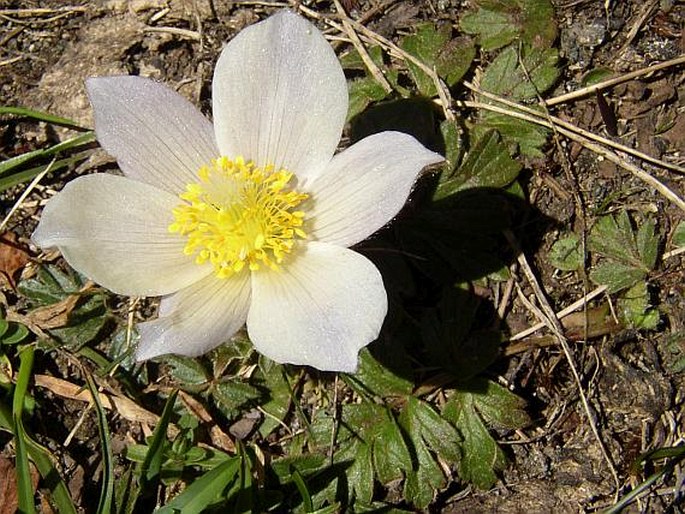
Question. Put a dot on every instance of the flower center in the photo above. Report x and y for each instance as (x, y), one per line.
(239, 214)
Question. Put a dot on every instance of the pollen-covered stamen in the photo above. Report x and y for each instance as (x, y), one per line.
(239, 214)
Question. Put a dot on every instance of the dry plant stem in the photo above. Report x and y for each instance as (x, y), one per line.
(561, 314)
(615, 81)
(185, 33)
(26, 13)
(26, 192)
(361, 49)
(573, 128)
(646, 11)
(635, 170)
(554, 325)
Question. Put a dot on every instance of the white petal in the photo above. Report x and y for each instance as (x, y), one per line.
(320, 310)
(156, 135)
(364, 186)
(280, 96)
(115, 231)
(196, 319)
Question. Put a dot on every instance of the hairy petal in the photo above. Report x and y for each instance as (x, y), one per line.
(156, 135)
(196, 319)
(115, 231)
(365, 186)
(280, 96)
(323, 307)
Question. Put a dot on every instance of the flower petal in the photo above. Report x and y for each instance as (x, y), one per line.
(279, 96)
(325, 305)
(196, 319)
(364, 186)
(156, 135)
(115, 231)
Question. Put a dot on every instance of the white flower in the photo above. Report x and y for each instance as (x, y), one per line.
(248, 220)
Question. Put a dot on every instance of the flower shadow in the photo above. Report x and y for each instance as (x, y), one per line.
(441, 260)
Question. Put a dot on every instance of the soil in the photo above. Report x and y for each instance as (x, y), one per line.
(630, 378)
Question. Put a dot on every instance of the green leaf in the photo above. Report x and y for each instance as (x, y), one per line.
(451, 58)
(377, 379)
(629, 257)
(487, 164)
(524, 76)
(679, 235)
(566, 253)
(391, 456)
(635, 308)
(526, 138)
(12, 333)
(499, 22)
(189, 372)
(495, 29)
(648, 244)
(428, 433)
(360, 473)
(451, 134)
(616, 276)
(352, 60)
(362, 92)
(40, 116)
(595, 76)
(280, 395)
(231, 395)
(470, 410)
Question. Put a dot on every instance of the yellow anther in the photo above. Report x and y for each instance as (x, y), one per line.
(239, 214)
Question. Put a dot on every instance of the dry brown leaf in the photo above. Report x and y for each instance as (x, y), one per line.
(9, 500)
(57, 314)
(12, 258)
(128, 409)
(220, 439)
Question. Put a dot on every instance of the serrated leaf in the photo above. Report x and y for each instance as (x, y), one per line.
(636, 309)
(439, 435)
(487, 164)
(528, 138)
(679, 235)
(379, 380)
(278, 404)
(391, 457)
(352, 60)
(498, 22)
(499, 407)
(566, 253)
(613, 237)
(495, 29)
(362, 92)
(360, 473)
(434, 47)
(524, 76)
(482, 458)
(231, 395)
(647, 243)
(189, 372)
(451, 135)
(428, 432)
(616, 276)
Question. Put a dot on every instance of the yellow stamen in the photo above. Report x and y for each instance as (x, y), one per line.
(239, 214)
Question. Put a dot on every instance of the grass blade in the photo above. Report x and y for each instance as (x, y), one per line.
(75, 142)
(24, 485)
(155, 455)
(41, 116)
(107, 492)
(205, 491)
